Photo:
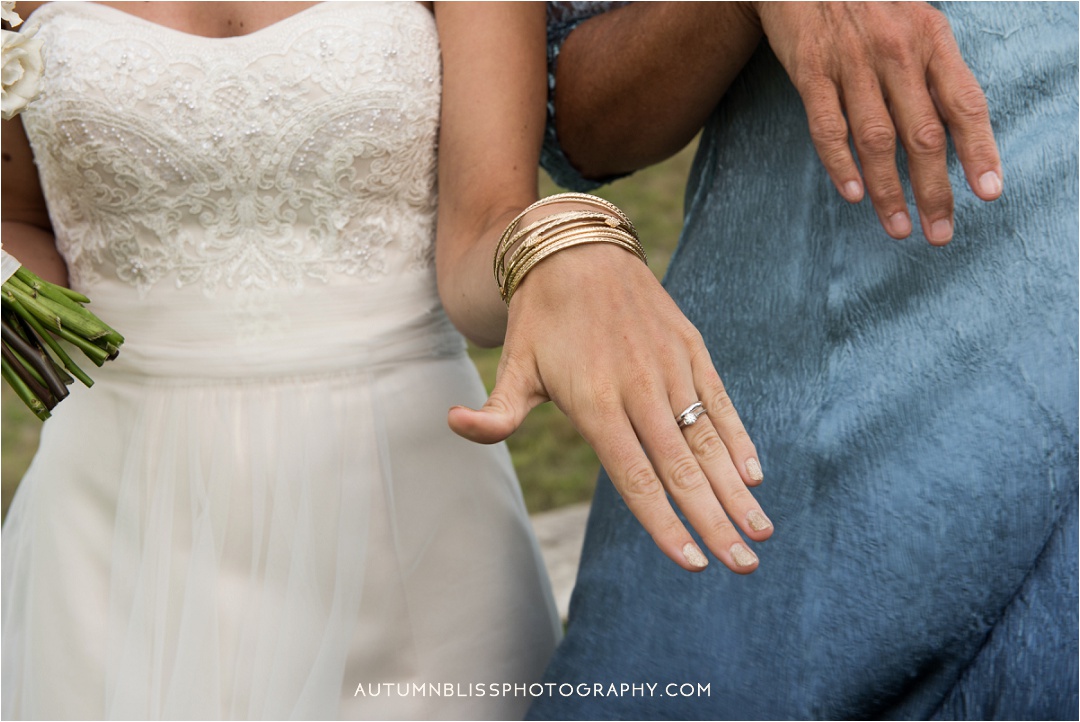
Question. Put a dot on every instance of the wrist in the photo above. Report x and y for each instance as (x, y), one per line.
(521, 248)
(581, 278)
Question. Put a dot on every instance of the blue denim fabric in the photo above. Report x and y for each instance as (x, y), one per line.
(915, 410)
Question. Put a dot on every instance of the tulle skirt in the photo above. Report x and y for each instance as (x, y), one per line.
(271, 547)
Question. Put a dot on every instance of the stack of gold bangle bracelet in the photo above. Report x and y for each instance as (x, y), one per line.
(520, 250)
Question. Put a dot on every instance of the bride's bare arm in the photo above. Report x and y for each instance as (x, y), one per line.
(493, 58)
(26, 230)
(590, 328)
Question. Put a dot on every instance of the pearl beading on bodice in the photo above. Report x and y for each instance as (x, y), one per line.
(292, 154)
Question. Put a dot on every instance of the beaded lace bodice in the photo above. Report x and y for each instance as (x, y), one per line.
(303, 151)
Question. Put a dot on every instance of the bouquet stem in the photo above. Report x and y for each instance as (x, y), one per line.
(19, 385)
(35, 326)
(35, 357)
(36, 315)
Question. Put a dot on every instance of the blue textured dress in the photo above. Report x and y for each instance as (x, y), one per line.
(915, 410)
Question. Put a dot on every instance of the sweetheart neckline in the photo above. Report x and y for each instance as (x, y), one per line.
(183, 33)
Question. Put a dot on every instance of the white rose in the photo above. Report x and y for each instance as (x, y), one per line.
(7, 7)
(22, 68)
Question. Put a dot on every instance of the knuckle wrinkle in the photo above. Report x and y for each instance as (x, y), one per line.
(641, 482)
(970, 104)
(685, 475)
(878, 138)
(927, 138)
(708, 446)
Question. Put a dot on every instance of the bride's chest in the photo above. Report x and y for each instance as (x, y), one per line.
(300, 150)
(220, 19)
(339, 67)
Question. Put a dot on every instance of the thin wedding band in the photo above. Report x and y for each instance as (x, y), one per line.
(692, 413)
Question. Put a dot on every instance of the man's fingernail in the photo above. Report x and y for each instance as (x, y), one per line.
(990, 184)
(900, 225)
(742, 556)
(753, 470)
(693, 556)
(941, 231)
(852, 191)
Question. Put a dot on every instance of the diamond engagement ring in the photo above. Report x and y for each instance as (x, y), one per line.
(689, 417)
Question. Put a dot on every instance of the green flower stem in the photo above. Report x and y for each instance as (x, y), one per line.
(53, 344)
(28, 334)
(19, 385)
(37, 360)
(68, 299)
(95, 353)
(56, 315)
(37, 316)
(23, 392)
(52, 322)
(35, 281)
(29, 374)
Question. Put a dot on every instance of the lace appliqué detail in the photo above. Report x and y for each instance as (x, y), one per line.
(301, 151)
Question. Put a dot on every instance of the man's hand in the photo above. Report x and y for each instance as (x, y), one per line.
(894, 70)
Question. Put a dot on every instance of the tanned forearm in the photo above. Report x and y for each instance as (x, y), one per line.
(655, 66)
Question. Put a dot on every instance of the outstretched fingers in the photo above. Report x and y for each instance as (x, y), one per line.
(695, 466)
(689, 480)
(923, 135)
(874, 135)
(619, 450)
(733, 494)
(700, 485)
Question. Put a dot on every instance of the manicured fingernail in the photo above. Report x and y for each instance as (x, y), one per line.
(990, 184)
(743, 557)
(852, 191)
(900, 224)
(757, 520)
(753, 470)
(941, 231)
(694, 557)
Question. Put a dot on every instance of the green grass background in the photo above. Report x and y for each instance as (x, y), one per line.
(555, 465)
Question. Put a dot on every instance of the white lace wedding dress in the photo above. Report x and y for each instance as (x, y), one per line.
(259, 506)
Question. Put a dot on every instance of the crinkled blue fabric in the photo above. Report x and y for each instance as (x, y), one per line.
(915, 411)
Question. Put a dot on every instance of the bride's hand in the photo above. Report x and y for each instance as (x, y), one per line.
(592, 330)
(589, 327)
